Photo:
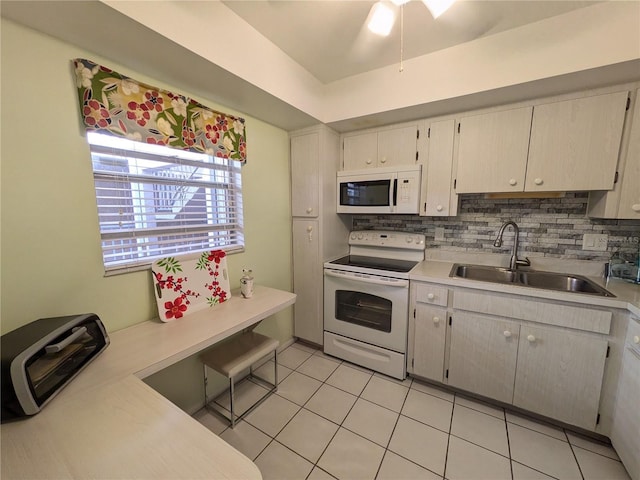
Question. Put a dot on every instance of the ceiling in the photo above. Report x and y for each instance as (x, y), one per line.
(329, 38)
(296, 63)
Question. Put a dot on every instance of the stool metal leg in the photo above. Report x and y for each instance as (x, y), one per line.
(206, 381)
(231, 395)
(275, 369)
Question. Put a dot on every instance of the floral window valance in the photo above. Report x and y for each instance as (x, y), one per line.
(118, 105)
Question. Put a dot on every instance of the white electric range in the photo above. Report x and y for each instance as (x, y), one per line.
(366, 300)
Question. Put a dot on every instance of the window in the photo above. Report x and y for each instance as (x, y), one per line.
(155, 201)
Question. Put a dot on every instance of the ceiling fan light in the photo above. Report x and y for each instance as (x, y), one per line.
(381, 18)
(438, 7)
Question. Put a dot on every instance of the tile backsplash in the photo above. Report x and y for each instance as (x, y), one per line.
(550, 227)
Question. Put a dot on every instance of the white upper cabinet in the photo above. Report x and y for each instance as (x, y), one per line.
(575, 144)
(384, 148)
(624, 200)
(492, 151)
(361, 151)
(630, 182)
(318, 233)
(438, 197)
(570, 145)
(305, 168)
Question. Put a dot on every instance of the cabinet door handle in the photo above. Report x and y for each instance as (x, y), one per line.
(439, 208)
(635, 207)
(538, 181)
(310, 232)
(309, 210)
(507, 333)
(531, 338)
(436, 320)
(431, 296)
(636, 340)
(513, 182)
(383, 160)
(368, 161)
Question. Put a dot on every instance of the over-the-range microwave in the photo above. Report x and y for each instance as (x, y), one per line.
(379, 190)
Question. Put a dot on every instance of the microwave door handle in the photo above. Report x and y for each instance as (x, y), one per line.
(56, 347)
(393, 185)
(395, 192)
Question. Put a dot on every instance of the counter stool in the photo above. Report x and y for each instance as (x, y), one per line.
(234, 357)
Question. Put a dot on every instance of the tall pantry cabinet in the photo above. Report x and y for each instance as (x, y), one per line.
(319, 233)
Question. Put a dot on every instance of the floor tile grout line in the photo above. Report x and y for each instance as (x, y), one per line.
(399, 414)
(339, 426)
(597, 453)
(319, 468)
(393, 411)
(477, 409)
(538, 431)
(359, 396)
(292, 451)
(386, 448)
(506, 429)
(478, 445)
(374, 374)
(573, 453)
(301, 407)
(535, 469)
(446, 455)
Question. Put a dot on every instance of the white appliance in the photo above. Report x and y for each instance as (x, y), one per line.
(366, 300)
(626, 417)
(379, 190)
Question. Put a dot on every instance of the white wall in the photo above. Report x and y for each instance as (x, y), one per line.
(588, 38)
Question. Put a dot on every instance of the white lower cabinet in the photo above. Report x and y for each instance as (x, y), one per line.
(483, 354)
(527, 352)
(430, 330)
(560, 374)
(307, 280)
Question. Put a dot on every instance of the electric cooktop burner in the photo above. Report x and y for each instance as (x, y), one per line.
(377, 263)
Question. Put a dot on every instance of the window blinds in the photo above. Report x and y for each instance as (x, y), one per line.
(155, 202)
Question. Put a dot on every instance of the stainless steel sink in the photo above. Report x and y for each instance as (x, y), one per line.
(530, 278)
(484, 274)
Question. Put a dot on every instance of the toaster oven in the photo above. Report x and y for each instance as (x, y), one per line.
(40, 358)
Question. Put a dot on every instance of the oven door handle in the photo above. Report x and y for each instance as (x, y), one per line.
(398, 283)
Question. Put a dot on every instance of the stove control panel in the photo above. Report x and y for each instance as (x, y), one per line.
(379, 238)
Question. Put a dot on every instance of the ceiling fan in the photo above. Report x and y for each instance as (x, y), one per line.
(383, 14)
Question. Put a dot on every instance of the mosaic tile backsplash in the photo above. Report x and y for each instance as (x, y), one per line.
(548, 227)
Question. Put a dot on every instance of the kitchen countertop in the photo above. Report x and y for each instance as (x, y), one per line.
(107, 423)
(627, 295)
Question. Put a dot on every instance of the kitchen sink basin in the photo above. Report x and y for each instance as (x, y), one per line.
(484, 274)
(559, 282)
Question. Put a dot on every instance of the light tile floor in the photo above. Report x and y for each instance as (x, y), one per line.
(333, 420)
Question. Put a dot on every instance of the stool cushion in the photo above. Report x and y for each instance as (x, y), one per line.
(238, 354)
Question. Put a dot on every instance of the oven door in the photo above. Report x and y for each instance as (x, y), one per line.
(369, 308)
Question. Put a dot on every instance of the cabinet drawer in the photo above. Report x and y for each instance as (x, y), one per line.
(534, 310)
(634, 329)
(432, 294)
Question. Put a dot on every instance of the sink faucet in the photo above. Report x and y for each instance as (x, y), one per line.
(515, 261)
